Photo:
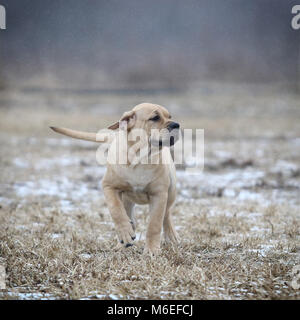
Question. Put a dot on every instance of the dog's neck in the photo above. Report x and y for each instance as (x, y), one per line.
(139, 152)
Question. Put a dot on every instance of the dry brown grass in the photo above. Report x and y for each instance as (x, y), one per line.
(218, 258)
(239, 228)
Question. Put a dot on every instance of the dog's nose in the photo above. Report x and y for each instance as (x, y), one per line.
(173, 125)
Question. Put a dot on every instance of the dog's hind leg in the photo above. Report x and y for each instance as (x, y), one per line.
(170, 234)
(157, 206)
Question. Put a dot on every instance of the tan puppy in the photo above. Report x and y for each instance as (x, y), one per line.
(136, 182)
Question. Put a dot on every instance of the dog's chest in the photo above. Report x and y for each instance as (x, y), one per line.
(138, 177)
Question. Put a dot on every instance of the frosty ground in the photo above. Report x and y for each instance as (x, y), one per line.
(238, 220)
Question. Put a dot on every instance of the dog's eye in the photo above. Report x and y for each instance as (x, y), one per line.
(156, 118)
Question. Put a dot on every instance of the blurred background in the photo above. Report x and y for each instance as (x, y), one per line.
(147, 45)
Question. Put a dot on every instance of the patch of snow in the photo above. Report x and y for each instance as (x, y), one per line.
(230, 193)
(85, 256)
(49, 163)
(285, 168)
(258, 229)
(222, 154)
(28, 295)
(66, 205)
(249, 195)
(61, 187)
(5, 201)
(140, 236)
(263, 250)
(56, 235)
(97, 296)
(21, 163)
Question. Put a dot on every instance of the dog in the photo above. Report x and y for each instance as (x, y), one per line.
(133, 182)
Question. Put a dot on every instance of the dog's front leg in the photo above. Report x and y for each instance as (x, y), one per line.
(116, 208)
(158, 204)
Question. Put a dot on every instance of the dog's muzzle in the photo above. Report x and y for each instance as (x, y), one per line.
(173, 125)
(173, 128)
(169, 135)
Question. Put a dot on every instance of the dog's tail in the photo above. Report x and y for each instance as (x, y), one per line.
(89, 136)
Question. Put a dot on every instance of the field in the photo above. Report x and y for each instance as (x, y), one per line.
(238, 221)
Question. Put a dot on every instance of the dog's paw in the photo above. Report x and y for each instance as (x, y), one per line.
(152, 250)
(171, 236)
(126, 234)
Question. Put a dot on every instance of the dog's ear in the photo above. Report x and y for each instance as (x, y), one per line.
(127, 121)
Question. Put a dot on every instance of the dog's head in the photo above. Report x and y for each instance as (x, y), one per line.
(154, 120)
